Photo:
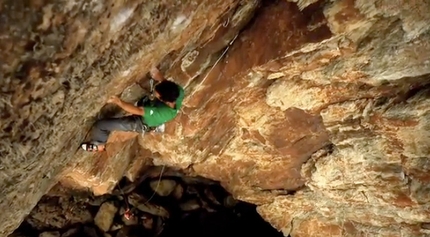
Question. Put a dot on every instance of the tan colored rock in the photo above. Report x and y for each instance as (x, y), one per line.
(178, 192)
(163, 187)
(60, 65)
(105, 215)
(138, 164)
(325, 98)
(367, 168)
(101, 172)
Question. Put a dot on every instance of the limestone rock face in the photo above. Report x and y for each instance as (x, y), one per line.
(61, 60)
(317, 111)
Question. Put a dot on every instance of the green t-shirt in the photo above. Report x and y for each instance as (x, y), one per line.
(161, 113)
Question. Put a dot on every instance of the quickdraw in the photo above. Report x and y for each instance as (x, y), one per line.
(151, 91)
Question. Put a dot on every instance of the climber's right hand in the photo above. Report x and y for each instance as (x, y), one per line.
(156, 74)
(114, 100)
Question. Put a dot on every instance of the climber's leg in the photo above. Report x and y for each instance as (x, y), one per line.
(102, 129)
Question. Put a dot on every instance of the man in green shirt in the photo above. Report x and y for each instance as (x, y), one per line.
(146, 117)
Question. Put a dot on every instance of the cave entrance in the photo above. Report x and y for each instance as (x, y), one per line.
(167, 205)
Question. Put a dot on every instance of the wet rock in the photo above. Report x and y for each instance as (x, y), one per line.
(105, 215)
(50, 234)
(142, 204)
(163, 187)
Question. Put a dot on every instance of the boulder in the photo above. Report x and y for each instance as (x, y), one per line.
(142, 204)
(105, 215)
(163, 187)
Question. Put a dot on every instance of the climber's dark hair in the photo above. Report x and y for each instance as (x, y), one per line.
(168, 91)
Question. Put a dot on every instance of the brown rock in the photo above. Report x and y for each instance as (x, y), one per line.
(190, 205)
(17, 234)
(98, 50)
(115, 227)
(319, 228)
(105, 215)
(90, 232)
(50, 234)
(148, 221)
(71, 232)
(142, 204)
(178, 192)
(139, 164)
(132, 220)
(191, 189)
(325, 98)
(133, 93)
(104, 170)
(230, 201)
(57, 213)
(209, 194)
(163, 187)
(122, 233)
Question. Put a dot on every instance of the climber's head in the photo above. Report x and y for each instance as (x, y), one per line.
(166, 91)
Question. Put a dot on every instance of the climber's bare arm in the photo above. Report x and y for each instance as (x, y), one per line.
(156, 74)
(130, 108)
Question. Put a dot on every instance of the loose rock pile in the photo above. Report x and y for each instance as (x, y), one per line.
(168, 205)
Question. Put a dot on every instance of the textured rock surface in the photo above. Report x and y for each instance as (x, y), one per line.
(105, 215)
(61, 60)
(328, 98)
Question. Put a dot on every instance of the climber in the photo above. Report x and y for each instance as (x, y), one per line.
(145, 117)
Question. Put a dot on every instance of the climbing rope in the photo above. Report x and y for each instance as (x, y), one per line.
(128, 214)
(158, 185)
(220, 57)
